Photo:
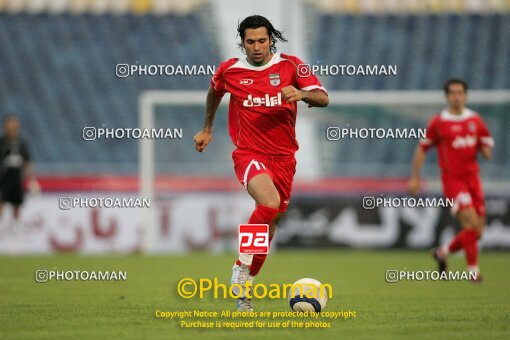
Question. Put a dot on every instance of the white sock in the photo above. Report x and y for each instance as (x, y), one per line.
(246, 259)
(473, 269)
(445, 249)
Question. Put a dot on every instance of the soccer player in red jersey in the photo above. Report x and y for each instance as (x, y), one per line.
(264, 90)
(458, 133)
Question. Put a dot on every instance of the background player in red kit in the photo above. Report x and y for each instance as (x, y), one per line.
(458, 133)
(265, 89)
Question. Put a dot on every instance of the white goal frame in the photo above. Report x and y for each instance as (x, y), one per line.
(148, 100)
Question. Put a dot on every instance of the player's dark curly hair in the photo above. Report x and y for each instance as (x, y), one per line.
(257, 21)
(451, 81)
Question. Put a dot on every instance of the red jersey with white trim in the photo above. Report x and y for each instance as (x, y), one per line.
(458, 139)
(259, 119)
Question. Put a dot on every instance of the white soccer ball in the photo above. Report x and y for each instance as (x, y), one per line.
(307, 295)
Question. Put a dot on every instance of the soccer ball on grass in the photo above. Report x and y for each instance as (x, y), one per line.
(307, 295)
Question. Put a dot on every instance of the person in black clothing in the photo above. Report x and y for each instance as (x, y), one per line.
(15, 166)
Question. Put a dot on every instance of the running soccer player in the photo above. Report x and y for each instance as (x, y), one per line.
(265, 88)
(14, 168)
(458, 133)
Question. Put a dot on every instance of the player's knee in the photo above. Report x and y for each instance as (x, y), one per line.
(274, 204)
(271, 202)
(469, 219)
(470, 223)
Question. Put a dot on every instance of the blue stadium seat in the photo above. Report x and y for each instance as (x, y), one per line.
(427, 49)
(58, 74)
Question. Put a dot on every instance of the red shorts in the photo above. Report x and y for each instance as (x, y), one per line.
(466, 191)
(281, 170)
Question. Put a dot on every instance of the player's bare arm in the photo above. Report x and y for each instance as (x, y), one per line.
(204, 137)
(414, 181)
(486, 151)
(312, 98)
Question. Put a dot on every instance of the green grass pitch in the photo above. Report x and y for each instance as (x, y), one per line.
(125, 309)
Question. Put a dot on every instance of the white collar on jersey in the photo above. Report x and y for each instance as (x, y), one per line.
(446, 115)
(243, 63)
